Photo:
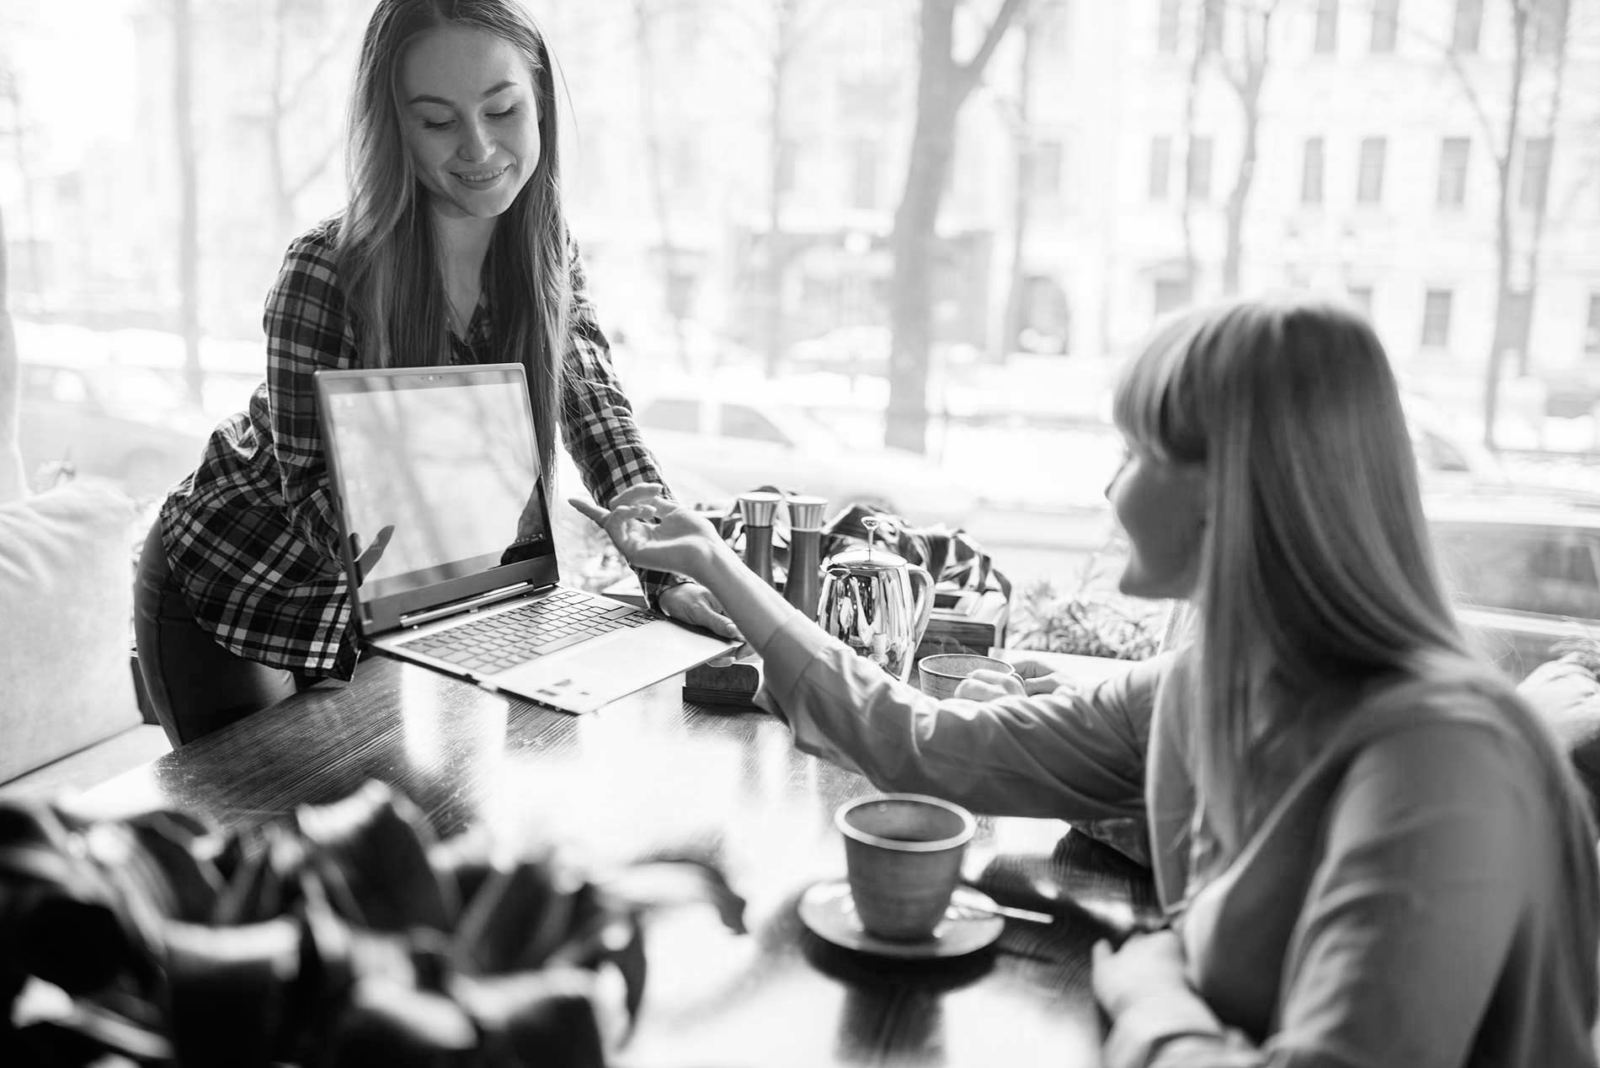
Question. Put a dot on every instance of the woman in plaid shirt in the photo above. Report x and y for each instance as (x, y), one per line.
(452, 249)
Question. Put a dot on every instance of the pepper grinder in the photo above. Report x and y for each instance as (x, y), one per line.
(801, 589)
(758, 509)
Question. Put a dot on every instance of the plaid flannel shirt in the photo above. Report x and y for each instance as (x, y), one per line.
(252, 536)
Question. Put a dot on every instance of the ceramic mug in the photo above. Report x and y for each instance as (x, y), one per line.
(939, 675)
(903, 857)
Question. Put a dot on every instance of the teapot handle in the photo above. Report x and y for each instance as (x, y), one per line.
(921, 603)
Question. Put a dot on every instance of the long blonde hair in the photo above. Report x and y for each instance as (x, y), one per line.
(1317, 571)
(388, 261)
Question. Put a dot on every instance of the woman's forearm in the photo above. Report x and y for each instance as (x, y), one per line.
(755, 607)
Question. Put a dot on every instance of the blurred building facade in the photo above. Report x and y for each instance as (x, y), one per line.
(733, 168)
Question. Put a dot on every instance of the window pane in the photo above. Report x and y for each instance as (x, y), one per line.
(1436, 318)
(1369, 183)
(1170, 295)
(1591, 330)
(1160, 166)
(864, 174)
(1548, 25)
(1385, 25)
(1047, 169)
(1311, 172)
(1535, 183)
(1200, 168)
(1519, 306)
(1213, 15)
(1453, 153)
(788, 152)
(1468, 23)
(1167, 27)
(1327, 41)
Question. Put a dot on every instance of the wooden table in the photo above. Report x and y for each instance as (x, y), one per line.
(649, 774)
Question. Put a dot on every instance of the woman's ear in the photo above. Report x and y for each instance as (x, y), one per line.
(1194, 495)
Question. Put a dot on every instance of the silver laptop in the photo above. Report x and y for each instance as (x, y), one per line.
(446, 537)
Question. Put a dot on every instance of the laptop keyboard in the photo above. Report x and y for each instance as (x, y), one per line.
(553, 622)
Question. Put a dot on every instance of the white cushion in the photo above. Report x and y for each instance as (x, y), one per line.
(12, 484)
(66, 593)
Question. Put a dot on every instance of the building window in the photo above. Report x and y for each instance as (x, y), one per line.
(1468, 25)
(1591, 330)
(1436, 319)
(1535, 180)
(1167, 27)
(864, 99)
(1518, 322)
(1170, 294)
(864, 174)
(1212, 14)
(1453, 154)
(1361, 297)
(788, 151)
(1385, 25)
(1311, 172)
(683, 165)
(1369, 179)
(1160, 167)
(1327, 41)
(1047, 169)
(1548, 21)
(1056, 22)
(1199, 169)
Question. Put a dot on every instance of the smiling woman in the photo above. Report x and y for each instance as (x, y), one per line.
(452, 249)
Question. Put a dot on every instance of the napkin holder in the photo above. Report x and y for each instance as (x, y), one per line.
(965, 621)
(725, 683)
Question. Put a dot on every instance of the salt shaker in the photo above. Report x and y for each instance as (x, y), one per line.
(758, 509)
(805, 553)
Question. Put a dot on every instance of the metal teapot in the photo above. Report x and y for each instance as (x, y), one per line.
(876, 603)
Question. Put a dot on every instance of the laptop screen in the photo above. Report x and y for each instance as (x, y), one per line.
(438, 475)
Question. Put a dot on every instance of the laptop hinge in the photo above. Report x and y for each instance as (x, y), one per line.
(467, 604)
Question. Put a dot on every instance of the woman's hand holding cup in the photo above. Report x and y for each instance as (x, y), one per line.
(1025, 677)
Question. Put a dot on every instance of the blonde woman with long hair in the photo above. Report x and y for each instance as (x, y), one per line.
(452, 248)
(1368, 850)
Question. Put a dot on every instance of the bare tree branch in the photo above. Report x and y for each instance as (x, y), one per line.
(970, 72)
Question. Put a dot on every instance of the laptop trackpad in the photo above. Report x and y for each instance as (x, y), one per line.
(587, 676)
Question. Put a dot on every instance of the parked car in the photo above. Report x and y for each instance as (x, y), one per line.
(1524, 567)
(129, 424)
(1448, 457)
(737, 443)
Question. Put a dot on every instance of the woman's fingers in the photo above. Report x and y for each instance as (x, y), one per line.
(590, 509)
(1006, 682)
(694, 604)
(604, 516)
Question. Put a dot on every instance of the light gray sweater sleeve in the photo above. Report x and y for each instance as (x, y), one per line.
(1068, 757)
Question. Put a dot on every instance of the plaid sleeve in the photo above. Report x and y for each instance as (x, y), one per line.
(598, 421)
(306, 332)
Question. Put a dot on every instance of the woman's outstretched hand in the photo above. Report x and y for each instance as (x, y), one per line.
(654, 531)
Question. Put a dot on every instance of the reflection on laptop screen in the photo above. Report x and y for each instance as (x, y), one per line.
(453, 470)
